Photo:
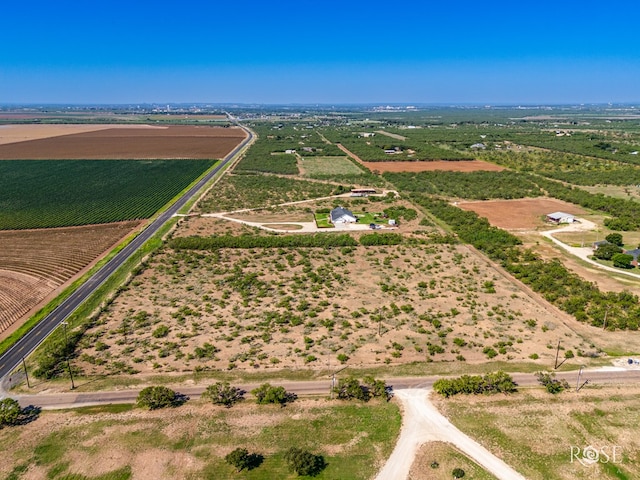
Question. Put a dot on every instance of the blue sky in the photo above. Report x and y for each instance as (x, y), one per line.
(492, 52)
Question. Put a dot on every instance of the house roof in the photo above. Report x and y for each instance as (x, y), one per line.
(635, 252)
(340, 212)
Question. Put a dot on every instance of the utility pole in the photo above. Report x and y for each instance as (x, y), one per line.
(26, 374)
(66, 351)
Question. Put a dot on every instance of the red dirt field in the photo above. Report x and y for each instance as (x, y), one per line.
(523, 213)
(34, 263)
(429, 166)
(120, 142)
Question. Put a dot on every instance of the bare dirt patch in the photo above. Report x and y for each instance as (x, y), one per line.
(526, 213)
(23, 133)
(170, 142)
(457, 166)
(34, 264)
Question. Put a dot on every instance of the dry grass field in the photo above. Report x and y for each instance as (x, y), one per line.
(533, 431)
(127, 143)
(35, 263)
(189, 442)
(436, 461)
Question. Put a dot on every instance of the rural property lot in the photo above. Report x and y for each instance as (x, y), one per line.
(128, 143)
(523, 213)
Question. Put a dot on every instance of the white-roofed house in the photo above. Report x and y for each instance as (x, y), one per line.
(342, 215)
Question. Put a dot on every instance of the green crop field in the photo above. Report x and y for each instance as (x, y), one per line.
(313, 166)
(51, 193)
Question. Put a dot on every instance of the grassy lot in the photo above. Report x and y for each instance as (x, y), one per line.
(322, 220)
(436, 461)
(534, 431)
(315, 166)
(190, 442)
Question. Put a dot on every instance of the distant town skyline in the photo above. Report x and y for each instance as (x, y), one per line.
(322, 53)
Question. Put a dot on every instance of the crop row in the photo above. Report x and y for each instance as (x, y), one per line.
(49, 193)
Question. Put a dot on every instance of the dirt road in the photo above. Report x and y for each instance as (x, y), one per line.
(582, 253)
(421, 423)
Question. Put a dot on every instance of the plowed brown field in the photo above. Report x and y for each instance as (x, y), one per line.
(34, 263)
(458, 166)
(518, 214)
(125, 143)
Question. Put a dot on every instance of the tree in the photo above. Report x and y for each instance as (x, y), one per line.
(157, 397)
(350, 388)
(458, 473)
(223, 394)
(551, 383)
(303, 462)
(607, 251)
(622, 260)
(266, 393)
(377, 388)
(615, 239)
(9, 411)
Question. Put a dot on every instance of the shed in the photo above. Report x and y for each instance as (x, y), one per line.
(560, 217)
(342, 215)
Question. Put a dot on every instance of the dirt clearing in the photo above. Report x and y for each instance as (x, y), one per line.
(128, 142)
(518, 214)
(23, 133)
(458, 166)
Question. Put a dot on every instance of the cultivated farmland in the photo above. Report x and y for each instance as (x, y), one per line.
(129, 143)
(56, 193)
(34, 263)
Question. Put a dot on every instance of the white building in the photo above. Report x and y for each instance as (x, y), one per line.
(561, 217)
(342, 215)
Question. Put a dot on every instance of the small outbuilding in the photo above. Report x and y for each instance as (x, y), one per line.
(342, 215)
(560, 217)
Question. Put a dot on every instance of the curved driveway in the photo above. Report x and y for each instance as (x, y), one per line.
(583, 253)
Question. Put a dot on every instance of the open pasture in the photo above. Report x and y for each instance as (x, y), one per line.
(34, 263)
(176, 141)
(190, 442)
(525, 213)
(534, 431)
(314, 166)
(433, 165)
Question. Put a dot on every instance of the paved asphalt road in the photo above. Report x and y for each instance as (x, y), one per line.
(313, 387)
(27, 344)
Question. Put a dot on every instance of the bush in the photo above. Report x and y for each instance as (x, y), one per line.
(159, 397)
(491, 383)
(9, 411)
(551, 383)
(241, 459)
(303, 462)
(221, 393)
(266, 394)
(607, 251)
(161, 331)
(458, 473)
(351, 389)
